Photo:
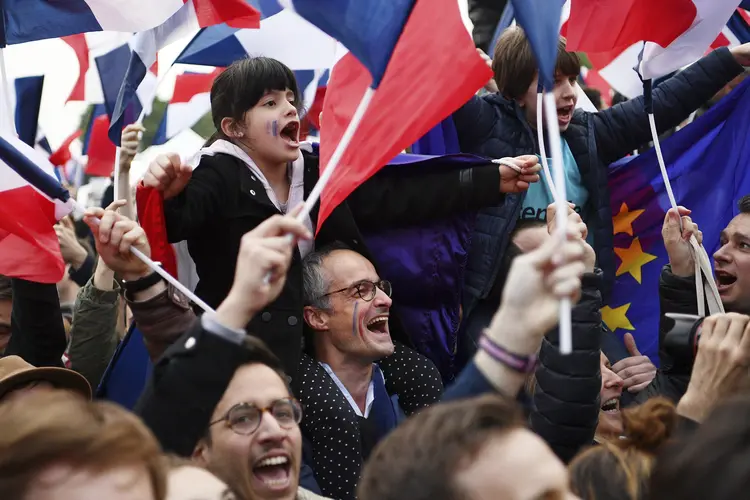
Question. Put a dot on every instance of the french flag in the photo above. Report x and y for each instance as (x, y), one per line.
(136, 93)
(27, 103)
(190, 101)
(667, 35)
(29, 20)
(99, 150)
(283, 35)
(31, 202)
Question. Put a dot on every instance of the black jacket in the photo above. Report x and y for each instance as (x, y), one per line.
(495, 127)
(484, 15)
(676, 295)
(565, 404)
(224, 200)
(36, 324)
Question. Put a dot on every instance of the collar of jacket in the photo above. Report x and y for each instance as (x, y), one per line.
(303, 494)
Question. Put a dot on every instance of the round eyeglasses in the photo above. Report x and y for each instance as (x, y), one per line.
(244, 418)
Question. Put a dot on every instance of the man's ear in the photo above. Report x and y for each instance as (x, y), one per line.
(316, 319)
(201, 453)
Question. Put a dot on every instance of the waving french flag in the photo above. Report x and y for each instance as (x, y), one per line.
(31, 202)
(190, 101)
(136, 93)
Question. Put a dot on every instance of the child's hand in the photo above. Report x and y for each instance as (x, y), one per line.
(167, 173)
(516, 180)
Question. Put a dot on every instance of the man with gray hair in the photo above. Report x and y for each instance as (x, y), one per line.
(347, 308)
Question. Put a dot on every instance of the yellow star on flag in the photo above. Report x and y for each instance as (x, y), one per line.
(633, 258)
(616, 318)
(623, 221)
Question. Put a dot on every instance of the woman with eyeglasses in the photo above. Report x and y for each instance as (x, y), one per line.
(256, 166)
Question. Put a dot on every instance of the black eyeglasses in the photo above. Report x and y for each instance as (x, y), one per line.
(366, 289)
(244, 418)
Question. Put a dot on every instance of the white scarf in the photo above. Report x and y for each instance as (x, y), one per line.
(296, 187)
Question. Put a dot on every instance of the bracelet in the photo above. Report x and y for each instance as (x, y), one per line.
(141, 284)
(516, 362)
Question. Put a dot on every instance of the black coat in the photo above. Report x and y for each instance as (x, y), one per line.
(224, 200)
(566, 402)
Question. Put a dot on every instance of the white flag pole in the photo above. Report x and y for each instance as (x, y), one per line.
(542, 148)
(11, 125)
(561, 214)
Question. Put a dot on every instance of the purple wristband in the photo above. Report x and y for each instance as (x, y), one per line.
(521, 364)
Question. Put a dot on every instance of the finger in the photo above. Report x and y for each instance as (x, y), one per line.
(526, 161)
(116, 204)
(67, 222)
(533, 169)
(134, 237)
(568, 289)
(744, 346)
(627, 363)
(639, 387)
(630, 345)
(570, 271)
(107, 221)
(699, 237)
(118, 230)
(721, 324)
(638, 370)
(735, 329)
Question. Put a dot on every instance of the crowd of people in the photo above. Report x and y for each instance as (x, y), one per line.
(301, 381)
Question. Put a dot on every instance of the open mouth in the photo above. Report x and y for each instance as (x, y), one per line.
(274, 472)
(565, 113)
(611, 406)
(724, 280)
(290, 133)
(378, 324)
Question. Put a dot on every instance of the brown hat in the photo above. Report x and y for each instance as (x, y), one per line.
(14, 371)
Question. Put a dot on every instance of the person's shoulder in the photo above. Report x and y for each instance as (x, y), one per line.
(303, 494)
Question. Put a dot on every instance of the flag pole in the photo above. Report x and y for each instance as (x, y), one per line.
(6, 92)
(157, 268)
(542, 148)
(561, 213)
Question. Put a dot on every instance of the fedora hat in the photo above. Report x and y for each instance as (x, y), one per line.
(15, 372)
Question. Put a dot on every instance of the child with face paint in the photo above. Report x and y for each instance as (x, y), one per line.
(256, 166)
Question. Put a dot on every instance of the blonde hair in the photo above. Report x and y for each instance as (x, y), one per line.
(47, 428)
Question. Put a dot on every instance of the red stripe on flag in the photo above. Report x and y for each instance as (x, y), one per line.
(606, 25)
(60, 157)
(101, 150)
(28, 243)
(745, 15)
(188, 85)
(235, 13)
(721, 41)
(81, 48)
(150, 205)
(427, 78)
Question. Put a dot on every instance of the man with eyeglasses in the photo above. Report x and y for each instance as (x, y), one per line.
(348, 408)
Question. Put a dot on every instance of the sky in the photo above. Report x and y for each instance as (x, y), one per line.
(57, 61)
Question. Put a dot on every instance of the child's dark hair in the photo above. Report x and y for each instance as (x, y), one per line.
(239, 87)
(515, 66)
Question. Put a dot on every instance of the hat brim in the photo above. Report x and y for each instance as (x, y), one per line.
(61, 378)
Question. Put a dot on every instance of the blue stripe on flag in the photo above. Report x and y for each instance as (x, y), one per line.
(213, 46)
(28, 101)
(27, 20)
(540, 19)
(31, 172)
(370, 30)
(99, 110)
(128, 106)
(739, 27)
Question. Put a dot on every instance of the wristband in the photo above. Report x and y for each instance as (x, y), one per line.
(516, 362)
(141, 284)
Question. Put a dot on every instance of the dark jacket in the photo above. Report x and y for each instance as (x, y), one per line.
(676, 295)
(37, 330)
(484, 15)
(495, 127)
(565, 402)
(224, 200)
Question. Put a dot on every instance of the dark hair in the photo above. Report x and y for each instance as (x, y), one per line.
(6, 288)
(419, 459)
(620, 469)
(515, 66)
(256, 351)
(712, 462)
(239, 87)
(744, 204)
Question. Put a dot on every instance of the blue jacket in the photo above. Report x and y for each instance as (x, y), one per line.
(495, 127)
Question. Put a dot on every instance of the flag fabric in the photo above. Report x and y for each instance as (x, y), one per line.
(81, 48)
(710, 152)
(28, 101)
(31, 202)
(283, 35)
(541, 21)
(427, 78)
(190, 101)
(137, 92)
(62, 155)
(100, 150)
(29, 20)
